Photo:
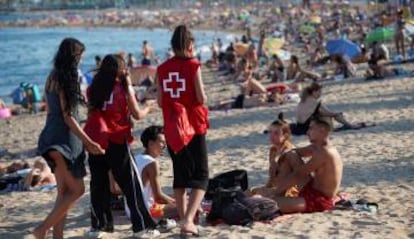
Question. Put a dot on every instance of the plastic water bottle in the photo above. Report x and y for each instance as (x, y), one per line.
(202, 218)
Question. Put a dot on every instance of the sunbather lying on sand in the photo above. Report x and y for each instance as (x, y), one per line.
(39, 176)
(13, 167)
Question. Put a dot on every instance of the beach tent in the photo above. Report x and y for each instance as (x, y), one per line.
(273, 45)
(343, 47)
(380, 35)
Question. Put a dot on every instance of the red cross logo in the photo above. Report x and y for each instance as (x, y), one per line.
(176, 87)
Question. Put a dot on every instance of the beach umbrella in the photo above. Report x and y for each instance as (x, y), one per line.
(306, 28)
(273, 45)
(409, 27)
(343, 47)
(315, 19)
(380, 35)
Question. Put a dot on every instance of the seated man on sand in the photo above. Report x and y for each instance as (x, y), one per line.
(344, 66)
(279, 165)
(325, 165)
(159, 204)
(276, 69)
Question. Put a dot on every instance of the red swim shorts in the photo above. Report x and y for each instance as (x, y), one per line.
(315, 201)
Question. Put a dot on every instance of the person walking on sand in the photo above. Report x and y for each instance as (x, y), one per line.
(112, 96)
(181, 96)
(62, 140)
(326, 165)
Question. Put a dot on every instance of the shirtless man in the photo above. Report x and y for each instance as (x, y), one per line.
(325, 164)
(147, 54)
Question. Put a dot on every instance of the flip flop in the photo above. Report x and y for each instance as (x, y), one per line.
(191, 234)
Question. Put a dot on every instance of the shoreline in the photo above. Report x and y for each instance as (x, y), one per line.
(121, 18)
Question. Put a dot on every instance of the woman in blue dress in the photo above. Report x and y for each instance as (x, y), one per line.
(62, 140)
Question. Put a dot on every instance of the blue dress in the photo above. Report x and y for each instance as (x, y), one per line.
(56, 136)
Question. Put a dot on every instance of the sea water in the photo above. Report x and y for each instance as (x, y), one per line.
(26, 54)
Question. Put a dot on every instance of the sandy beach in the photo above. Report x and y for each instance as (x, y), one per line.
(378, 166)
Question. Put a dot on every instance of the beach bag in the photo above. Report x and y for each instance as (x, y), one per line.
(223, 197)
(226, 180)
(236, 214)
(97, 129)
(243, 211)
(261, 208)
(177, 129)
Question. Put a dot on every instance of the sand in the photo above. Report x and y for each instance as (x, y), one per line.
(378, 166)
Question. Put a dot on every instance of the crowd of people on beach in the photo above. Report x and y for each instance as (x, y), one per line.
(305, 179)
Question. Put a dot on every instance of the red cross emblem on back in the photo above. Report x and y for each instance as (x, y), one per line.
(174, 85)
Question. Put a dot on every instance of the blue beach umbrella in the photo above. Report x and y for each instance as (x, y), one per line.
(343, 47)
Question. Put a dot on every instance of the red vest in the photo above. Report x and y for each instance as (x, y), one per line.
(183, 115)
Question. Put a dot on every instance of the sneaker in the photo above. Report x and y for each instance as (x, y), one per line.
(94, 234)
(150, 233)
(166, 225)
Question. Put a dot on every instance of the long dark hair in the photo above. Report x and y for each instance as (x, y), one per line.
(65, 71)
(181, 39)
(309, 90)
(104, 80)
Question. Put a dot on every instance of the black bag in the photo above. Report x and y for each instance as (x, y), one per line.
(222, 199)
(261, 208)
(243, 211)
(236, 214)
(227, 180)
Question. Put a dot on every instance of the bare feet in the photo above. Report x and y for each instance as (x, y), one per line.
(189, 227)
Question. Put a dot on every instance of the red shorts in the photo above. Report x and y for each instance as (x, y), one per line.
(157, 210)
(315, 201)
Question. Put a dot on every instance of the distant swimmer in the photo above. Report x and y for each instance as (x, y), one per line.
(147, 54)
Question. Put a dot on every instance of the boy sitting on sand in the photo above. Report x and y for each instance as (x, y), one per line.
(325, 164)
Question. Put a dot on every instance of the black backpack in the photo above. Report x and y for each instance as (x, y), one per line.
(249, 209)
(227, 180)
(223, 198)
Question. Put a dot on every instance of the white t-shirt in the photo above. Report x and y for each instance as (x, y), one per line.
(306, 109)
(142, 160)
